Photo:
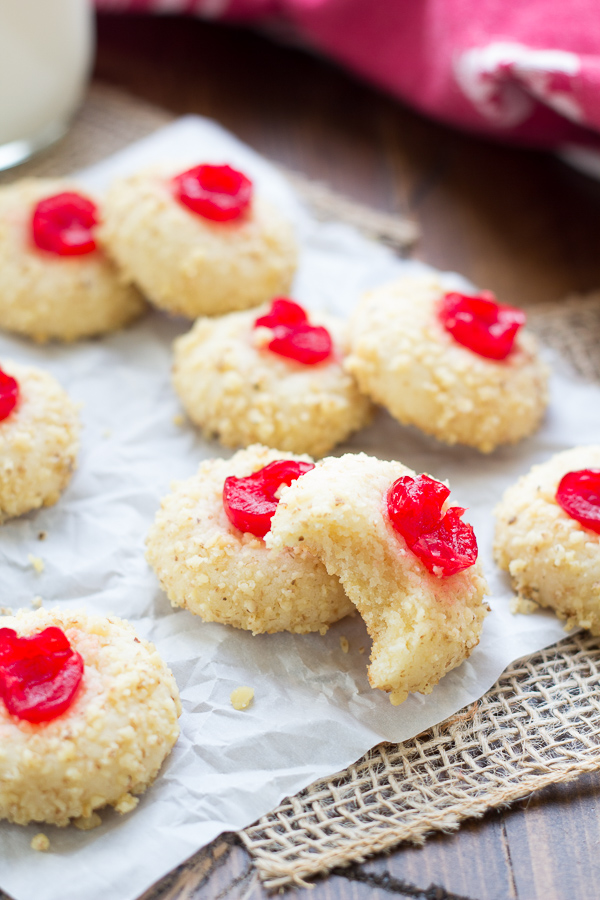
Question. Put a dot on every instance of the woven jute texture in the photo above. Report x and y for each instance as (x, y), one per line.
(540, 724)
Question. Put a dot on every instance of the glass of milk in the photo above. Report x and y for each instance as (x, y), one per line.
(46, 51)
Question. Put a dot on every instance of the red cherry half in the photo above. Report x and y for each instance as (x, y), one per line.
(445, 544)
(9, 394)
(250, 502)
(39, 675)
(293, 336)
(480, 323)
(218, 193)
(283, 312)
(63, 224)
(578, 494)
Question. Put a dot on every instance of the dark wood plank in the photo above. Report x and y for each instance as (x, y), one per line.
(517, 221)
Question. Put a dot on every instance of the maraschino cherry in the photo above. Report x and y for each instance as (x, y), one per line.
(39, 674)
(578, 494)
(64, 223)
(444, 543)
(293, 336)
(480, 323)
(9, 394)
(250, 502)
(218, 193)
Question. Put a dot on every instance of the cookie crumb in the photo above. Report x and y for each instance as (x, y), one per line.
(36, 562)
(126, 803)
(42, 535)
(361, 649)
(242, 697)
(40, 842)
(86, 823)
(6, 611)
(521, 605)
(37, 603)
(344, 644)
(179, 420)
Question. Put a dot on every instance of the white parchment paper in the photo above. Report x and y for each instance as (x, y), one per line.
(314, 712)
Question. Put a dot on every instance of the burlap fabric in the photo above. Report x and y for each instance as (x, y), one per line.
(540, 724)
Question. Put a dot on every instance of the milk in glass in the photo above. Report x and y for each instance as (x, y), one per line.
(45, 55)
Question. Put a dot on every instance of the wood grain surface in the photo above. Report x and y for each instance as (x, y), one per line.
(513, 220)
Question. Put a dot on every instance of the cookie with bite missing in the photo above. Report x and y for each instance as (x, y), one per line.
(404, 557)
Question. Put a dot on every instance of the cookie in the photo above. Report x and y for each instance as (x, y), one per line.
(39, 439)
(55, 282)
(240, 391)
(192, 265)
(405, 355)
(224, 574)
(424, 617)
(552, 558)
(97, 727)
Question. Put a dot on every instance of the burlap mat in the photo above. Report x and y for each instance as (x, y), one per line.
(540, 724)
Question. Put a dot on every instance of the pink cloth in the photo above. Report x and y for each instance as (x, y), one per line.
(519, 70)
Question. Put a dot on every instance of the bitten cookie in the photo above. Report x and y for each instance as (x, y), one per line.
(552, 558)
(424, 612)
(240, 391)
(405, 355)
(95, 726)
(39, 439)
(189, 263)
(223, 574)
(55, 283)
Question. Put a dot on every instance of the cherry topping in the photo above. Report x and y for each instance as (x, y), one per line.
(63, 224)
(9, 394)
(39, 675)
(293, 336)
(282, 312)
(480, 323)
(579, 495)
(218, 193)
(250, 502)
(444, 544)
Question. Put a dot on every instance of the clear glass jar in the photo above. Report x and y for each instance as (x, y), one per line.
(46, 49)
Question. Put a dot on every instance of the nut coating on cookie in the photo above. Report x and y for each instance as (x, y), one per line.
(117, 723)
(548, 536)
(404, 356)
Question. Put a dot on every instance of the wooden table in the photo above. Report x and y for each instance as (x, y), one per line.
(516, 221)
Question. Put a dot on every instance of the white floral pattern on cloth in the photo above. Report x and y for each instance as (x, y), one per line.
(524, 72)
(503, 80)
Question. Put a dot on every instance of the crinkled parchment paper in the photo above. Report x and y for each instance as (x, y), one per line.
(314, 712)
